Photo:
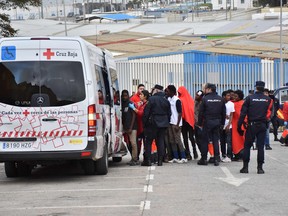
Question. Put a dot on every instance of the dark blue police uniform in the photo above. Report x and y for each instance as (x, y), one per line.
(212, 115)
(257, 108)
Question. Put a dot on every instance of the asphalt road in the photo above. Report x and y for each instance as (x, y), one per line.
(173, 189)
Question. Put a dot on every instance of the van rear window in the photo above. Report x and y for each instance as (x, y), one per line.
(59, 83)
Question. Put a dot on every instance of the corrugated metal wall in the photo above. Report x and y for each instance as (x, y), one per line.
(151, 71)
(194, 68)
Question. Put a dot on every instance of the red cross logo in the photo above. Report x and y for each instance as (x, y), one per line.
(48, 53)
(26, 113)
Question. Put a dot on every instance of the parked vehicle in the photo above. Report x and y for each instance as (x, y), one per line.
(282, 94)
(50, 108)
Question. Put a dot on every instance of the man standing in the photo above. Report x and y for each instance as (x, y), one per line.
(274, 118)
(136, 97)
(257, 108)
(198, 131)
(211, 117)
(156, 120)
(174, 130)
(226, 133)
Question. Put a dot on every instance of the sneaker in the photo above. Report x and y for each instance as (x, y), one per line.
(226, 160)
(174, 160)
(268, 147)
(134, 163)
(179, 161)
(184, 160)
(128, 163)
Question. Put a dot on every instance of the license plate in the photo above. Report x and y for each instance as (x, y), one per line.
(16, 145)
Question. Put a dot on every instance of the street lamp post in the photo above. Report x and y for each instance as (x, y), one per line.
(281, 43)
(65, 21)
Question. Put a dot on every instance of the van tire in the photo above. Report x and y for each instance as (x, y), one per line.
(10, 169)
(101, 165)
(23, 169)
(88, 166)
(117, 159)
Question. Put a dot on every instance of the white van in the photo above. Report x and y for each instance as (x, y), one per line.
(50, 110)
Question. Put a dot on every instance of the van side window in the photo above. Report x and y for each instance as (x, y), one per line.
(105, 76)
(115, 85)
(100, 84)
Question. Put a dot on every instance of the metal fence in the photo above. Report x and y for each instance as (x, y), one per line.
(193, 76)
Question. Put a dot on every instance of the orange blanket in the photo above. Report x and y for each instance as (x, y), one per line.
(237, 140)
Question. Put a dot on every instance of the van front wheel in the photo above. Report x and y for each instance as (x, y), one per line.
(101, 165)
(10, 169)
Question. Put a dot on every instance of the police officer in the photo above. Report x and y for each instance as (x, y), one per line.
(156, 120)
(211, 117)
(257, 108)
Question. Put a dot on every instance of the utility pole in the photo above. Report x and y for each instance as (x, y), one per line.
(281, 43)
(65, 18)
(226, 9)
(57, 13)
(84, 11)
(42, 13)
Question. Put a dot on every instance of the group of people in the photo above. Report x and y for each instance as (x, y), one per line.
(162, 116)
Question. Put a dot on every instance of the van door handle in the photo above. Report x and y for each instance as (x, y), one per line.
(49, 119)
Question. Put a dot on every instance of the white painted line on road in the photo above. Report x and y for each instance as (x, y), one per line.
(230, 179)
(74, 190)
(151, 168)
(148, 188)
(275, 159)
(145, 205)
(125, 177)
(67, 207)
(150, 177)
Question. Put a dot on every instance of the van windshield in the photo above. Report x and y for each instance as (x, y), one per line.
(59, 83)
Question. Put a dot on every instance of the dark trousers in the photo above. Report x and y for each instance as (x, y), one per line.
(198, 136)
(210, 132)
(226, 138)
(258, 131)
(188, 131)
(158, 134)
(275, 125)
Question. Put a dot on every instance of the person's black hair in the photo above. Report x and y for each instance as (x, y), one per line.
(266, 90)
(224, 93)
(251, 91)
(211, 86)
(124, 91)
(172, 89)
(230, 91)
(239, 93)
(140, 85)
(146, 93)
